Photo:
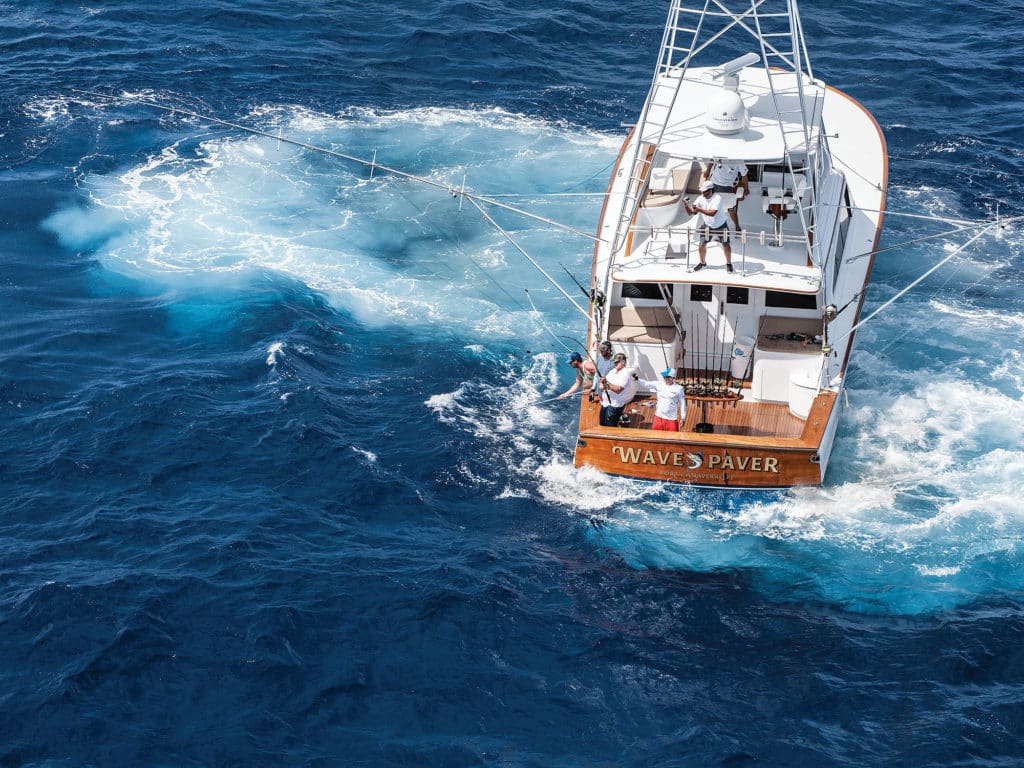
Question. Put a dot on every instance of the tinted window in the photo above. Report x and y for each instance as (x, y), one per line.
(700, 293)
(735, 295)
(644, 291)
(790, 300)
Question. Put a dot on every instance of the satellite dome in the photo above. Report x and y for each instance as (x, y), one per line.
(726, 113)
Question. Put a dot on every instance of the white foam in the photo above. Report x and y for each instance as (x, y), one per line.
(369, 456)
(387, 250)
(47, 109)
(273, 351)
(585, 489)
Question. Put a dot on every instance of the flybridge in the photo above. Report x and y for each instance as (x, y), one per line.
(766, 130)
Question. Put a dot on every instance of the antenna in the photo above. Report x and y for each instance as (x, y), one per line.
(728, 72)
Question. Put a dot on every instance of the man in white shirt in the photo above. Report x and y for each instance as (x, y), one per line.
(618, 389)
(670, 409)
(712, 223)
(730, 176)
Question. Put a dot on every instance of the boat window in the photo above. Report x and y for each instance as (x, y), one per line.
(645, 291)
(786, 300)
(734, 295)
(700, 293)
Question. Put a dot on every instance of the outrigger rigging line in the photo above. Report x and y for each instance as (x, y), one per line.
(371, 164)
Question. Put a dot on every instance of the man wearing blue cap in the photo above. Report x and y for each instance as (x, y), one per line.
(585, 372)
(670, 410)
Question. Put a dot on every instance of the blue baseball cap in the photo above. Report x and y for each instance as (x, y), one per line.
(575, 357)
(668, 373)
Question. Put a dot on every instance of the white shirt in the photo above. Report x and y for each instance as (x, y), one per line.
(671, 399)
(727, 173)
(624, 379)
(713, 203)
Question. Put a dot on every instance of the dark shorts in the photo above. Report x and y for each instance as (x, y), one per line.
(611, 415)
(721, 234)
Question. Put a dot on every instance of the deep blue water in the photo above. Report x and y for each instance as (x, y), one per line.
(275, 491)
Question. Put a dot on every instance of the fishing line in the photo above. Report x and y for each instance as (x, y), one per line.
(528, 257)
(577, 393)
(925, 216)
(457, 242)
(602, 173)
(540, 319)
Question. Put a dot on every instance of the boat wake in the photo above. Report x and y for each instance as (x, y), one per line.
(387, 250)
(919, 509)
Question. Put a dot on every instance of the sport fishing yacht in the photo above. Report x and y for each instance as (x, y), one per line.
(760, 345)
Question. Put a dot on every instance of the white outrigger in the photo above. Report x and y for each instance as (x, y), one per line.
(761, 349)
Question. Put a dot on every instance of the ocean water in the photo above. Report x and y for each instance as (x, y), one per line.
(278, 487)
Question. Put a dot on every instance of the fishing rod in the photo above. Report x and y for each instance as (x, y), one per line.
(371, 164)
(580, 391)
(707, 363)
(689, 357)
(728, 364)
(586, 352)
(528, 257)
(716, 359)
(695, 357)
(573, 278)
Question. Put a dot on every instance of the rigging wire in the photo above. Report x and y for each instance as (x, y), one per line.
(920, 279)
(983, 226)
(547, 194)
(956, 166)
(477, 199)
(372, 164)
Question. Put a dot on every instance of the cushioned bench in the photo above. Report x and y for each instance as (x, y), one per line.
(641, 325)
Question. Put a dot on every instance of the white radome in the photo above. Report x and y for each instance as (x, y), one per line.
(727, 113)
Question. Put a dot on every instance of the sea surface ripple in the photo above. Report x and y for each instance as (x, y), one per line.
(279, 487)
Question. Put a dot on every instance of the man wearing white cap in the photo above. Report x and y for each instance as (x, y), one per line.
(713, 223)
(730, 176)
(670, 410)
(617, 391)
